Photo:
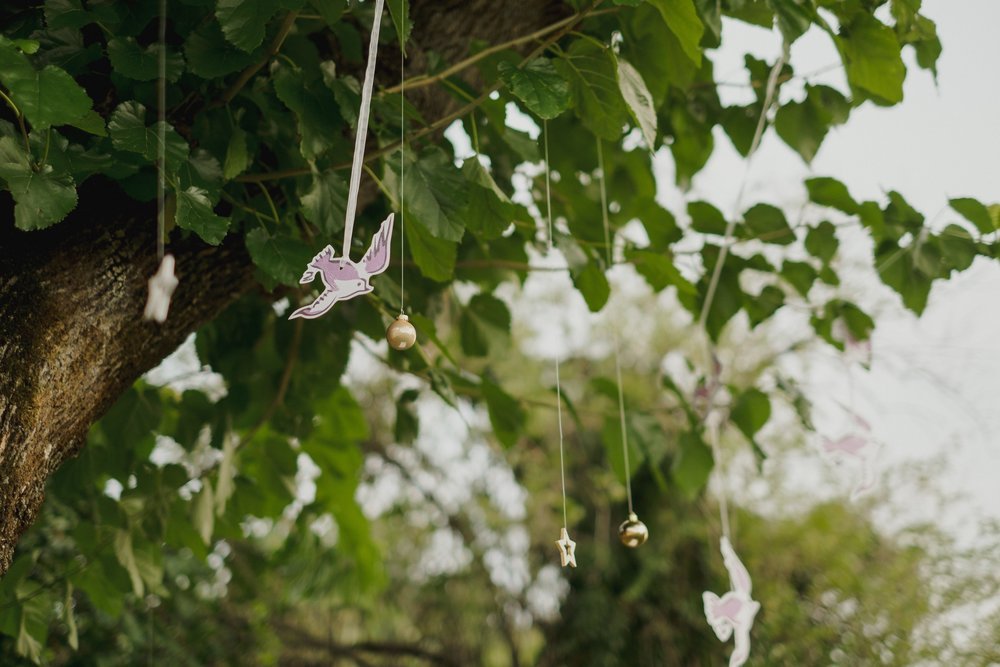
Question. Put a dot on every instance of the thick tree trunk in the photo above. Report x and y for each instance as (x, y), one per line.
(72, 338)
(71, 297)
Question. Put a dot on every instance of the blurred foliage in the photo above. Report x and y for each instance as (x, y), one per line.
(177, 535)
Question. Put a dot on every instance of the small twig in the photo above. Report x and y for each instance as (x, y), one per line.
(272, 51)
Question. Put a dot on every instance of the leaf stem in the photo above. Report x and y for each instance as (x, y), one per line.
(20, 122)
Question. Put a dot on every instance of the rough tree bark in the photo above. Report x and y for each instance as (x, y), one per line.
(71, 297)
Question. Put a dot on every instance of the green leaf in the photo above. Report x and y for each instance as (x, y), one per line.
(484, 320)
(42, 197)
(280, 256)
(750, 412)
(407, 423)
(237, 155)
(639, 101)
(975, 212)
(659, 270)
(764, 305)
(706, 219)
(767, 224)
(73, 636)
(333, 11)
(489, 211)
(693, 464)
(225, 486)
(593, 75)
(958, 247)
(210, 56)
(400, 12)
(539, 85)
(142, 64)
(794, 17)
(128, 130)
(325, 203)
(804, 125)
(314, 105)
(436, 195)
(827, 191)
(245, 21)
(194, 212)
(871, 54)
(800, 275)
(821, 241)
(593, 285)
(434, 257)
(611, 437)
(682, 19)
(46, 97)
(506, 414)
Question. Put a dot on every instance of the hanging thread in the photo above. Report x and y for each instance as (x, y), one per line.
(551, 239)
(713, 428)
(402, 178)
(618, 362)
(362, 136)
(161, 135)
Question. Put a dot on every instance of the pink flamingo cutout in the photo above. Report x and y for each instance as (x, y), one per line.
(732, 615)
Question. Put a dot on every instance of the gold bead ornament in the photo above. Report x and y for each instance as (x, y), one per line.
(633, 533)
(401, 334)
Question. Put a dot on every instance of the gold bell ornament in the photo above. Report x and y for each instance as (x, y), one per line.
(401, 334)
(633, 533)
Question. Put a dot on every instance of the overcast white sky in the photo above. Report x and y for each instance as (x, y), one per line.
(934, 382)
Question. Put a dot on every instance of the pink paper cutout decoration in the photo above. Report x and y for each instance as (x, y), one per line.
(161, 287)
(859, 447)
(733, 613)
(343, 278)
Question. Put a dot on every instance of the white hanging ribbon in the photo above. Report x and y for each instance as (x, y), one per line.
(359, 141)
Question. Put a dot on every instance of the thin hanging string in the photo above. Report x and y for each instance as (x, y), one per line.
(402, 178)
(614, 330)
(713, 428)
(359, 140)
(161, 136)
(548, 215)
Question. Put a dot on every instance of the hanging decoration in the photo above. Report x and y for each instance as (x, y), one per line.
(567, 547)
(401, 333)
(734, 612)
(343, 278)
(161, 286)
(632, 532)
(860, 448)
(732, 615)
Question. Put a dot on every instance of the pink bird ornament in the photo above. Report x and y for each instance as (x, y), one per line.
(344, 278)
(732, 615)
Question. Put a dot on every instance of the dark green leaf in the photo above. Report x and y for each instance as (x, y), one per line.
(237, 155)
(767, 223)
(400, 12)
(142, 64)
(682, 19)
(693, 464)
(434, 257)
(42, 196)
(46, 97)
(484, 320)
(593, 75)
(506, 414)
(314, 105)
(706, 218)
(281, 257)
(542, 89)
(244, 22)
(975, 212)
(750, 412)
(593, 285)
(827, 191)
(659, 270)
(194, 212)
(800, 275)
(821, 241)
(325, 203)
(210, 56)
(871, 54)
(128, 130)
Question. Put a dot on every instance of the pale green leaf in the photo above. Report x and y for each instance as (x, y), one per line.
(639, 101)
